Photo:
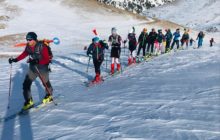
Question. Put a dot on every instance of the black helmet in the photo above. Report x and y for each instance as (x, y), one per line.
(31, 36)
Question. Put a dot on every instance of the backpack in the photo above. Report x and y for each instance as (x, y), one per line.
(44, 43)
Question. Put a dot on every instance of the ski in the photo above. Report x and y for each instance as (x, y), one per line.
(37, 106)
(91, 83)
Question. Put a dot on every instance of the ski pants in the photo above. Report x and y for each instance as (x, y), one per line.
(175, 42)
(150, 46)
(200, 43)
(167, 45)
(141, 47)
(31, 76)
(97, 65)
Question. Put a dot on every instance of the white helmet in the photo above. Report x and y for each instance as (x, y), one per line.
(114, 30)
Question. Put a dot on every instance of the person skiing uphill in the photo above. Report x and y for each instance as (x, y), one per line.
(151, 40)
(168, 37)
(211, 42)
(96, 51)
(176, 36)
(159, 39)
(185, 39)
(39, 59)
(132, 42)
(191, 41)
(115, 43)
(200, 38)
(142, 39)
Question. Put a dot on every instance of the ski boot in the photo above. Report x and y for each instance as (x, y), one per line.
(134, 60)
(112, 69)
(28, 104)
(118, 68)
(97, 78)
(48, 98)
(129, 61)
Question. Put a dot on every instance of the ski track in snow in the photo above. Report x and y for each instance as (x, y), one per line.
(173, 96)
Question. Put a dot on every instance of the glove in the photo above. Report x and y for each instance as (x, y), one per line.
(124, 41)
(34, 61)
(89, 55)
(11, 60)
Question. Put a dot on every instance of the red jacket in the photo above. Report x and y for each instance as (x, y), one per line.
(45, 58)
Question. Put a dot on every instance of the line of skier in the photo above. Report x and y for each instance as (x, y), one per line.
(152, 43)
(40, 55)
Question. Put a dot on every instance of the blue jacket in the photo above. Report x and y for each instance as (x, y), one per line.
(176, 36)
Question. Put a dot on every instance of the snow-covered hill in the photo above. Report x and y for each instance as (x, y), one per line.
(197, 14)
(175, 96)
(136, 6)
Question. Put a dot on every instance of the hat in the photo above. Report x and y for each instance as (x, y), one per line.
(31, 36)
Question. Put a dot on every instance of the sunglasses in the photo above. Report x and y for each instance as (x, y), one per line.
(29, 39)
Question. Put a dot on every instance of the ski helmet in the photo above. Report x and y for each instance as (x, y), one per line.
(31, 36)
(95, 39)
(114, 30)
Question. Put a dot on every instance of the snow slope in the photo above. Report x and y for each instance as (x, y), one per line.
(136, 6)
(197, 14)
(173, 97)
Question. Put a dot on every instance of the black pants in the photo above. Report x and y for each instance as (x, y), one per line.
(141, 47)
(175, 42)
(97, 65)
(150, 46)
(167, 45)
(31, 76)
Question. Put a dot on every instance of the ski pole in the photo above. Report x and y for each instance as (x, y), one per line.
(106, 61)
(121, 67)
(45, 85)
(124, 48)
(87, 70)
(9, 93)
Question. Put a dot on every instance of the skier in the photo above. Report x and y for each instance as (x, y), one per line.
(115, 43)
(39, 59)
(176, 36)
(168, 37)
(211, 42)
(160, 38)
(200, 38)
(132, 42)
(142, 39)
(191, 41)
(151, 39)
(96, 51)
(185, 38)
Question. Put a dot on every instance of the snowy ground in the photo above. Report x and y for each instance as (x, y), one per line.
(197, 14)
(173, 97)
